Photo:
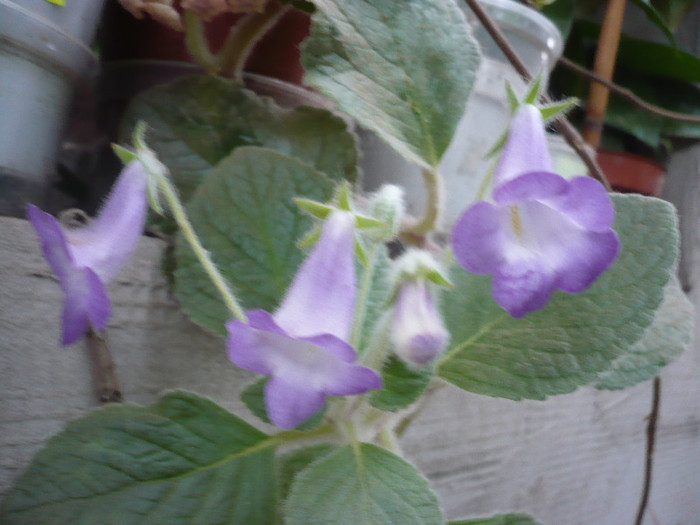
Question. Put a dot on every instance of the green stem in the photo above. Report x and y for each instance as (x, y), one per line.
(363, 294)
(243, 37)
(202, 255)
(434, 198)
(197, 44)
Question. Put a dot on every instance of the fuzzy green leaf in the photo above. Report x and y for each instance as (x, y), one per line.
(181, 460)
(402, 385)
(245, 217)
(198, 121)
(361, 485)
(668, 336)
(387, 66)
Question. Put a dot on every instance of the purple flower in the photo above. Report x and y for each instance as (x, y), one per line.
(303, 345)
(543, 232)
(85, 259)
(417, 331)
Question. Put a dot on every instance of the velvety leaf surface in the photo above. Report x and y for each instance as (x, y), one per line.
(387, 67)
(375, 288)
(291, 463)
(196, 122)
(402, 385)
(501, 519)
(181, 460)
(245, 217)
(575, 337)
(361, 485)
(668, 336)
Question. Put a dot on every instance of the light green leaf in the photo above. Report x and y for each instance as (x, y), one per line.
(387, 66)
(402, 385)
(196, 122)
(501, 519)
(361, 485)
(293, 462)
(245, 217)
(668, 336)
(374, 290)
(181, 460)
(574, 338)
(553, 110)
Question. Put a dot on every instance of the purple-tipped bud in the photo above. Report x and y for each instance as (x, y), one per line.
(417, 331)
(303, 345)
(85, 259)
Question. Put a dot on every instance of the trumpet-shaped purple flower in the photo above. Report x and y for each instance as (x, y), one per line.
(417, 332)
(543, 232)
(303, 345)
(85, 259)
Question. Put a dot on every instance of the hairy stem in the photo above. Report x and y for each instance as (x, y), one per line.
(243, 37)
(200, 252)
(434, 201)
(197, 44)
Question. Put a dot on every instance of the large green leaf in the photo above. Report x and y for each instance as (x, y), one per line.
(196, 122)
(244, 215)
(402, 385)
(388, 66)
(291, 463)
(361, 484)
(181, 460)
(501, 519)
(669, 334)
(574, 338)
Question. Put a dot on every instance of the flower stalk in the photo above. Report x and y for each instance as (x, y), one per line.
(180, 216)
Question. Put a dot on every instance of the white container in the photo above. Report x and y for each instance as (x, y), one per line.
(463, 166)
(43, 53)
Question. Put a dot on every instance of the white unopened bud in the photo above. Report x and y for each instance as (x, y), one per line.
(417, 332)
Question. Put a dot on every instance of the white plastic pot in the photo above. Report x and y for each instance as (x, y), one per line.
(43, 54)
(539, 44)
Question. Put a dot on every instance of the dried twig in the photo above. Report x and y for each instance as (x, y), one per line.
(562, 124)
(103, 370)
(651, 441)
(629, 95)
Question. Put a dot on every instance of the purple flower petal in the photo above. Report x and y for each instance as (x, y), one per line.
(417, 332)
(586, 203)
(107, 243)
(526, 148)
(290, 404)
(321, 299)
(303, 345)
(543, 233)
(84, 259)
(476, 238)
(308, 371)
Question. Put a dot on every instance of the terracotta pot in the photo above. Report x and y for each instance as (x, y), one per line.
(277, 55)
(629, 173)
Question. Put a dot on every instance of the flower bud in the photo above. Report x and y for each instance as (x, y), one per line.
(417, 332)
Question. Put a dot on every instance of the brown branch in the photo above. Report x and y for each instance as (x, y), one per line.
(561, 123)
(103, 371)
(628, 94)
(651, 441)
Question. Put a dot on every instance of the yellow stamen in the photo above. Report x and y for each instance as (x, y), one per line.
(515, 220)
